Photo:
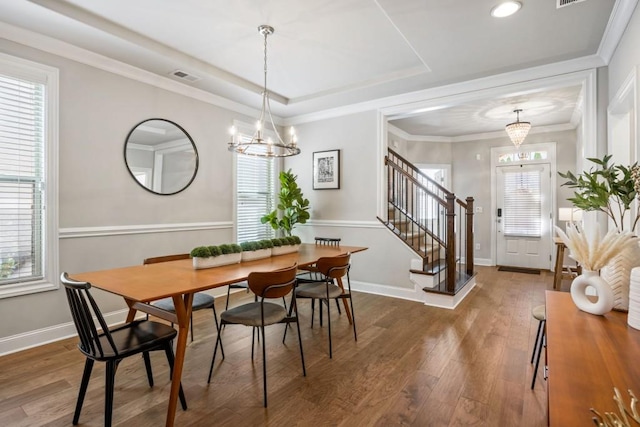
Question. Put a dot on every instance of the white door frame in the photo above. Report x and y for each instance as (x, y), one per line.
(550, 148)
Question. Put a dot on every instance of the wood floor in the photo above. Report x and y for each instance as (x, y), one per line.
(411, 365)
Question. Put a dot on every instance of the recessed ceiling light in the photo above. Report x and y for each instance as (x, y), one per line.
(506, 8)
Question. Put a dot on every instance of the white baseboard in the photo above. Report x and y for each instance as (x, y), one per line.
(487, 262)
(38, 337)
(388, 291)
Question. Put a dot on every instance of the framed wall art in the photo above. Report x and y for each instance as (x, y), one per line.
(326, 170)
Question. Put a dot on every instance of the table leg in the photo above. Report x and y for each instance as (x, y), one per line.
(183, 307)
(344, 302)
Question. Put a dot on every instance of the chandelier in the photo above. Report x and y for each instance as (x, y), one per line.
(261, 145)
(518, 130)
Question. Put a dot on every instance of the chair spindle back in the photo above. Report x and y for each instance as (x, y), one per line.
(83, 310)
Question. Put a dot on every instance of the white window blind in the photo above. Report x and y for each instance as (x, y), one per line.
(22, 189)
(255, 195)
(522, 204)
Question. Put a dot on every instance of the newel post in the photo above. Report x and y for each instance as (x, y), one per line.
(469, 233)
(451, 243)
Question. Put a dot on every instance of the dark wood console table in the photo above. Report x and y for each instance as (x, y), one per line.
(587, 356)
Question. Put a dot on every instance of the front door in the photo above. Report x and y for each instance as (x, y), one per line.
(524, 216)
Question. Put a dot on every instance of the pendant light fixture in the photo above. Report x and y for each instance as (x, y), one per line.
(260, 145)
(518, 130)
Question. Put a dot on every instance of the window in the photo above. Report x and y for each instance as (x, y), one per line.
(255, 195)
(522, 204)
(28, 119)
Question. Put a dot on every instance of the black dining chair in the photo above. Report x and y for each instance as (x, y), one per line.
(100, 343)
(260, 313)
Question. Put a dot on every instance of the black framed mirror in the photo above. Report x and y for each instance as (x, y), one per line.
(161, 156)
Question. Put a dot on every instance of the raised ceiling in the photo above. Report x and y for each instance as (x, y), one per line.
(324, 53)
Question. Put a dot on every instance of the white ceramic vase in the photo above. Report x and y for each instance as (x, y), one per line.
(617, 273)
(216, 261)
(588, 278)
(633, 317)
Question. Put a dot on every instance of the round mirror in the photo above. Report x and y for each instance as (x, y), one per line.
(161, 156)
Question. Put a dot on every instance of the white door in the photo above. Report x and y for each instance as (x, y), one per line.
(524, 216)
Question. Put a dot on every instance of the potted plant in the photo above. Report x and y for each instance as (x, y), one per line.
(611, 189)
(215, 256)
(292, 209)
(285, 245)
(253, 250)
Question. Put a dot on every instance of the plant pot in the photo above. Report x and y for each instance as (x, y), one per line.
(253, 255)
(287, 249)
(589, 278)
(216, 261)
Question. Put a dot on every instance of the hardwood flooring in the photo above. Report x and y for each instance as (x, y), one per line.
(412, 365)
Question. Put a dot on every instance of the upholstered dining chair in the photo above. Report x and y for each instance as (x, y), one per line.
(538, 313)
(260, 313)
(332, 270)
(201, 300)
(311, 270)
(100, 343)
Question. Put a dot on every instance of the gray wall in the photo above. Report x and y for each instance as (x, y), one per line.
(97, 110)
(472, 177)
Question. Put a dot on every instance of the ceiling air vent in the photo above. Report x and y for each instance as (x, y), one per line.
(185, 76)
(564, 3)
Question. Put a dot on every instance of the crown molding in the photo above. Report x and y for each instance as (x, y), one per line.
(65, 50)
(398, 106)
(476, 136)
(617, 24)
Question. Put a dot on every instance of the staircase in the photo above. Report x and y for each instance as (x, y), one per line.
(435, 224)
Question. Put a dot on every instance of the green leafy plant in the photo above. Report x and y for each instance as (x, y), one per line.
(608, 188)
(7, 267)
(292, 209)
(266, 244)
(201, 252)
(213, 251)
(249, 246)
(297, 240)
(276, 242)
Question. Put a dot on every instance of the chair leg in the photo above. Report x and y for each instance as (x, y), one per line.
(304, 369)
(313, 310)
(535, 345)
(264, 364)
(539, 351)
(191, 325)
(88, 366)
(293, 302)
(353, 317)
(147, 365)
(329, 326)
(168, 350)
(110, 379)
(215, 318)
(226, 304)
(338, 305)
(215, 350)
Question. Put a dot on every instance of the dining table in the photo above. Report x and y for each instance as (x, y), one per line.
(140, 285)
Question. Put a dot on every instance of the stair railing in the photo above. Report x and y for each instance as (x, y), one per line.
(431, 220)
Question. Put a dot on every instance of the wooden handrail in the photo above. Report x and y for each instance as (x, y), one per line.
(423, 214)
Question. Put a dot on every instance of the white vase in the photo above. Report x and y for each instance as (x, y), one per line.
(633, 317)
(617, 273)
(216, 261)
(286, 249)
(579, 286)
(253, 255)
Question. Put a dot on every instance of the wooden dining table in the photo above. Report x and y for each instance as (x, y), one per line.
(141, 284)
